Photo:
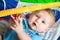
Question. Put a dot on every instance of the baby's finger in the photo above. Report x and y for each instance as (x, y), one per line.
(12, 27)
(16, 21)
(20, 19)
(14, 18)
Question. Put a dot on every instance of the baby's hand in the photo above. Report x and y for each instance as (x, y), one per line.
(18, 24)
(17, 27)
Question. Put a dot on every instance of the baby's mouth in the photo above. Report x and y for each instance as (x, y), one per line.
(34, 24)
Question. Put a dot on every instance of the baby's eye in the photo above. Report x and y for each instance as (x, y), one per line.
(37, 16)
(43, 22)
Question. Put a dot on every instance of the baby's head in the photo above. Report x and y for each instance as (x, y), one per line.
(41, 20)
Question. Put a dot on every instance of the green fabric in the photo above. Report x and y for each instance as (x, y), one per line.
(40, 1)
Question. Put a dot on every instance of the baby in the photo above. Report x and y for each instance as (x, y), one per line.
(39, 22)
(33, 28)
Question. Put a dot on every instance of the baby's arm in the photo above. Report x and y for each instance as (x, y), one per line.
(23, 36)
(19, 30)
(0, 37)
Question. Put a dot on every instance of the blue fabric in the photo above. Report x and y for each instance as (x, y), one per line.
(11, 35)
(9, 4)
(58, 38)
(57, 14)
(1, 5)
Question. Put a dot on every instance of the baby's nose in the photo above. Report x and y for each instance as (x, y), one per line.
(39, 20)
(33, 20)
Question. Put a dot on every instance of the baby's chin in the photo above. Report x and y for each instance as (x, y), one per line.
(34, 28)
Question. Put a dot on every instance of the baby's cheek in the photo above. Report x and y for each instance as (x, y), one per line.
(32, 19)
(41, 29)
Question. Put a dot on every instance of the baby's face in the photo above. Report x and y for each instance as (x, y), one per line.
(40, 22)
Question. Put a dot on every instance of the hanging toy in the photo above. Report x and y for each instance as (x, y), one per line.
(13, 16)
